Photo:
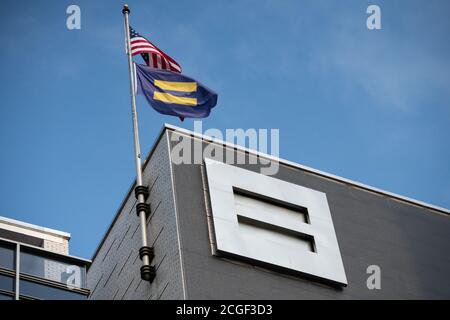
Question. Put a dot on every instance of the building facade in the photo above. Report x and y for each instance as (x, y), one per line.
(35, 264)
(221, 229)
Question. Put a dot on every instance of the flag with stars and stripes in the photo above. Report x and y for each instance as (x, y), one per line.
(152, 55)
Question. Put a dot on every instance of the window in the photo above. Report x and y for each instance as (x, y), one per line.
(7, 256)
(36, 264)
(40, 291)
(4, 296)
(6, 283)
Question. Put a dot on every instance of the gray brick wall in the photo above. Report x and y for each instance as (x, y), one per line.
(410, 243)
(114, 273)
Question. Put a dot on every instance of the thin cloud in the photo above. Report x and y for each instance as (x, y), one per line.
(392, 74)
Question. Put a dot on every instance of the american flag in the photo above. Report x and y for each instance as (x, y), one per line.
(151, 54)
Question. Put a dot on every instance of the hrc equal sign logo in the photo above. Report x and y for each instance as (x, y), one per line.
(185, 87)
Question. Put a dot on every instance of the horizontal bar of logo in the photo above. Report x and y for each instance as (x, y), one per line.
(170, 98)
(176, 86)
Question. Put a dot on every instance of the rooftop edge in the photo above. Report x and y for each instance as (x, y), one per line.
(308, 169)
(34, 227)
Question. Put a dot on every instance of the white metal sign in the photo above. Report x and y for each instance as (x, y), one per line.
(273, 221)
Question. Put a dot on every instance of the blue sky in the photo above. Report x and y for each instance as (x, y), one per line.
(372, 106)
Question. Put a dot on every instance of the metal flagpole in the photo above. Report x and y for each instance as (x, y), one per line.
(146, 253)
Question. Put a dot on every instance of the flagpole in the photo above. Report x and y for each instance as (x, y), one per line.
(146, 253)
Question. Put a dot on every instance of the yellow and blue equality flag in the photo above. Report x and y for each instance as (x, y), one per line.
(173, 93)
